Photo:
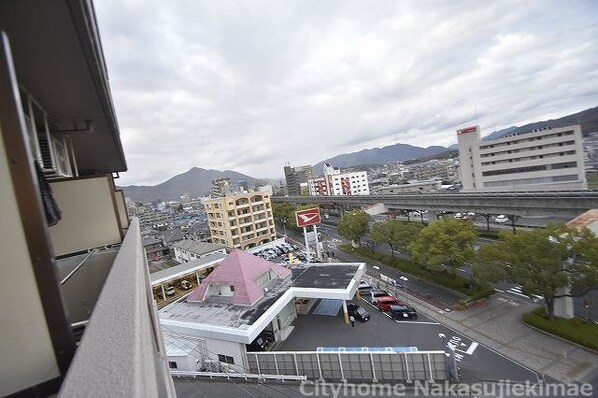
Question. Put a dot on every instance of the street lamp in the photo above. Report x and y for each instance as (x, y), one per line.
(405, 280)
(284, 226)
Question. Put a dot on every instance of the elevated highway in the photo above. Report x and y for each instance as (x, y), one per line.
(522, 204)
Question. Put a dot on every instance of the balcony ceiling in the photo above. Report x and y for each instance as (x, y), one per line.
(58, 59)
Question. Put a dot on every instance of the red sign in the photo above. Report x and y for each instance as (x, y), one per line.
(466, 130)
(307, 217)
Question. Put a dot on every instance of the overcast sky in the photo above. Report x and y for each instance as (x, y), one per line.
(251, 85)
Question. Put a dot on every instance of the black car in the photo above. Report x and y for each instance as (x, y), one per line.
(357, 312)
(261, 342)
(403, 312)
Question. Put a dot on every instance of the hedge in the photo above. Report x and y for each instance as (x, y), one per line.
(576, 330)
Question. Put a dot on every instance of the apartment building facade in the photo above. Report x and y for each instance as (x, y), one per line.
(297, 179)
(242, 221)
(336, 183)
(72, 259)
(220, 187)
(548, 159)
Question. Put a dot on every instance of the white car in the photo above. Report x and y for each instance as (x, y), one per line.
(501, 219)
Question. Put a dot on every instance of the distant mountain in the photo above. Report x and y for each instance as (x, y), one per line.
(496, 134)
(387, 154)
(196, 182)
(588, 119)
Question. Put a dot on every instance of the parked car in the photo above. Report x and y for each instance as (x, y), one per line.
(170, 291)
(384, 303)
(363, 286)
(375, 294)
(357, 312)
(185, 284)
(403, 312)
(501, 219)
(261, 341)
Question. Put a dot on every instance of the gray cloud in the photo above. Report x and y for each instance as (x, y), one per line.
(249, 86)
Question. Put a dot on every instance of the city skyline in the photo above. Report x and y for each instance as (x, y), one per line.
(251, 86)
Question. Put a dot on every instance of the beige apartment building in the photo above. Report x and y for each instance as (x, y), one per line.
(546, 159)
(242, 221)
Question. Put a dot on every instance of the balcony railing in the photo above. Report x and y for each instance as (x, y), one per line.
(122, 353)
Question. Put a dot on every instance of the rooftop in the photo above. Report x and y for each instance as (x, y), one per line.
(183, 269)
(240, 270)
(589, 220)
(243, 323)
(198, 247)
(329, 276)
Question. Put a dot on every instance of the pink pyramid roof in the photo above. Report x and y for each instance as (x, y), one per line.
(239, 269)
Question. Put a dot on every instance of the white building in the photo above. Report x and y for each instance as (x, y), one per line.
(335, 183)
(244, 297)
(549, 159)
(189, 250)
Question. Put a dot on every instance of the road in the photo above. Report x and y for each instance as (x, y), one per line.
(442, 298)
(480, 221)
(436, 295)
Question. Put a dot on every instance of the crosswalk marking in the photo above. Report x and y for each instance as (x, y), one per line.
(518, 291)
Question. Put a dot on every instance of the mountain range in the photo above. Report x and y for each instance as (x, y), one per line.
(197, 181)
(387, 154)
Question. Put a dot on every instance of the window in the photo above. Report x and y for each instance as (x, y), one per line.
(232, 288)
(226, 359)
(172, 365)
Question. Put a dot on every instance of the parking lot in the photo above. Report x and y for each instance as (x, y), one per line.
(477, 362)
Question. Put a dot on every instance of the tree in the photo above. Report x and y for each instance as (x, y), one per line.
(447, 242)
(397, 234)
(354, 225)
(282, 212)
(542, 261)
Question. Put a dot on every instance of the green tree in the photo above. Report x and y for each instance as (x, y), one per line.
(354, 225)
(447, 242)
(397, 234)
(542, 261)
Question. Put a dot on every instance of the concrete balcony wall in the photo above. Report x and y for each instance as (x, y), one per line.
(122, 353)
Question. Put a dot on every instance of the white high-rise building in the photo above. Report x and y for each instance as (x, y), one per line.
(336, 183)
(547, 159)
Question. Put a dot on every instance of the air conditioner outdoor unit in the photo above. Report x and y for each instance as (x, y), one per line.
(61, 159)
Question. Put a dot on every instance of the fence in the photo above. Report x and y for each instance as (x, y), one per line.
(355, 366)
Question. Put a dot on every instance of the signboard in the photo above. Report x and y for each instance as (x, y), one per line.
(467, 130)
(307, 217)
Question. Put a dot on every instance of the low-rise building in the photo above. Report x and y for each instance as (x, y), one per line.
(246, 296)
(189, 250)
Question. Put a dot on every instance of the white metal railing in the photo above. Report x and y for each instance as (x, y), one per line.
(228, 375)
(122, 353)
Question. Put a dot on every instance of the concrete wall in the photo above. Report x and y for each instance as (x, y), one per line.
(188, 362)
(235, 350)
